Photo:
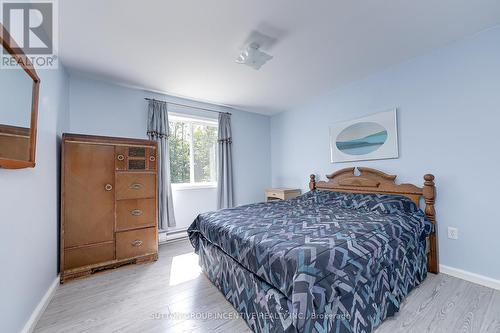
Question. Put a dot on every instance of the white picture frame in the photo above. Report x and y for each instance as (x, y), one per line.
(373, 137)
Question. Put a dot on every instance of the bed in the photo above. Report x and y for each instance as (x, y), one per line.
(340, 258)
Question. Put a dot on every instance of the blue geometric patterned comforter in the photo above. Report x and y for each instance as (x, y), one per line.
(357, 251)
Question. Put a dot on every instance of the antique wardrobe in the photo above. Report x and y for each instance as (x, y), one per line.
(108, 203)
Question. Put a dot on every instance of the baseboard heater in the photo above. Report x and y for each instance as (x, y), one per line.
(167, 236)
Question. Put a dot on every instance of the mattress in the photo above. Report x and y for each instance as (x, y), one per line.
(335, 262)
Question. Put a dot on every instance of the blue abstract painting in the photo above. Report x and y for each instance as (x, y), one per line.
(361, 138)
(370, 137)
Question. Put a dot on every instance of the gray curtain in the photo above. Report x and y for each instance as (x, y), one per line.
(158, 131)
(225, 197)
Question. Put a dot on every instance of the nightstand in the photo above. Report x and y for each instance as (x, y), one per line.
(281, 193)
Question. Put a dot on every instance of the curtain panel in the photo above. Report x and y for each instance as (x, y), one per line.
(158, 131)
(225, 195)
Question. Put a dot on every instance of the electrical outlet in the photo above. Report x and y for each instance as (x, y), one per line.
(452, 233)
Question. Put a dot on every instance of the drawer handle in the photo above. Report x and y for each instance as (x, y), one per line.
(136, 186)
(137, 243)
(152, 158)
(136, 212)
(108, 187)
(121, 157)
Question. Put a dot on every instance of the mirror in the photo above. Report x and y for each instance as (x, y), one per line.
(19, 87)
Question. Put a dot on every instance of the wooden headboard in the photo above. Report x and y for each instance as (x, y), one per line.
(375, 181)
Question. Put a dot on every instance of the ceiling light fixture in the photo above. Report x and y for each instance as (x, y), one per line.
(253, 57)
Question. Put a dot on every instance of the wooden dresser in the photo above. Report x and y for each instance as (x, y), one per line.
(108, 203)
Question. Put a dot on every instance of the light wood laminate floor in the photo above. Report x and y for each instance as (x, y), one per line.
(172, 295)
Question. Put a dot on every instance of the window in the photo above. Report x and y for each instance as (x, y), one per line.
(193, 146)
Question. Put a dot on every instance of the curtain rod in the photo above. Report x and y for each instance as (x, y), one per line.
(187, 106)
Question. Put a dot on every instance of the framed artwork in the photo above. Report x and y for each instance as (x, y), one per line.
(373, 137)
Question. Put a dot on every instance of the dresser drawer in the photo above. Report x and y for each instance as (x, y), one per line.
(275, 194)
(135, 243)
(135, 185)
(135, 158)
(88, 255)
(135, 213)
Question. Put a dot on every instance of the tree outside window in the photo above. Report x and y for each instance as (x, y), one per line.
(192, 145)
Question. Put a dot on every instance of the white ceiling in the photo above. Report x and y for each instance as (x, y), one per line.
(188, 48)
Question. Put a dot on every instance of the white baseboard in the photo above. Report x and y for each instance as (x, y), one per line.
(40, 308)
(471, 277)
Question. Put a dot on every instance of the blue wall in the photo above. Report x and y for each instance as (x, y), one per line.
(29, 205)
(449, 116)
(101, 108)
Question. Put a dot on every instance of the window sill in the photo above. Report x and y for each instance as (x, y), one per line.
(182, 187)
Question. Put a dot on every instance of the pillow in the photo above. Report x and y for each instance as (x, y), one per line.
(391, 204)
(378, 203)
(382, 203)
(307, 197)
(322, 197)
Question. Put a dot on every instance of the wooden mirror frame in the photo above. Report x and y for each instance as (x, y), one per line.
(16, 52)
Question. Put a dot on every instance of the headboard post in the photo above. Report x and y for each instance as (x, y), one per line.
(429, 194)
(312, 182)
